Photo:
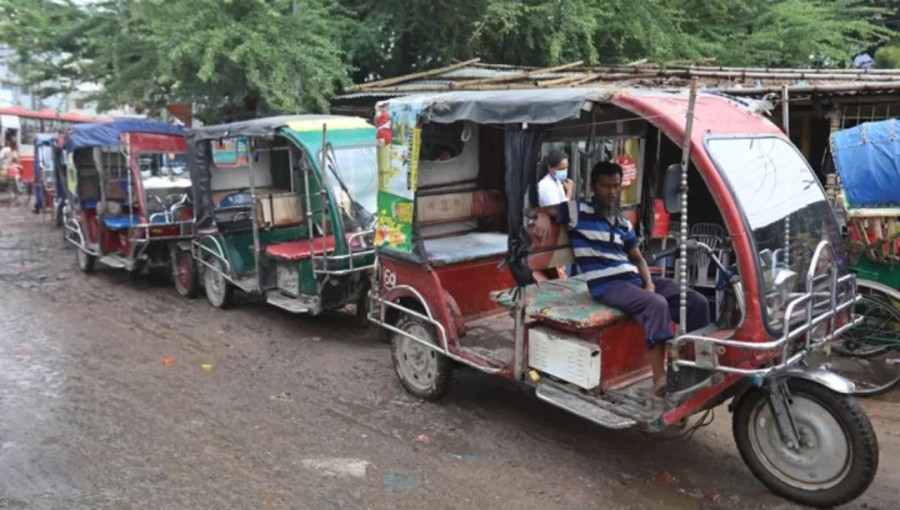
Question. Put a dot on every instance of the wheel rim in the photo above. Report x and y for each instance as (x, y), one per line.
(418, 364)
(183, 274)
(879, 331)
(823, 459)
(215, 283)
(867, 354)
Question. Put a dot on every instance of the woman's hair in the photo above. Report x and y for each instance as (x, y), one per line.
(553, 159)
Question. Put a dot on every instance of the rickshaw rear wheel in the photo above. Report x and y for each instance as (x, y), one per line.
(184, 273)
(86, 261)
(219, 291)
(838, 456)
(423, 371)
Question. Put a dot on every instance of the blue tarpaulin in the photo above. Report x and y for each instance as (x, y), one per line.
(867, 158)
(101, 134)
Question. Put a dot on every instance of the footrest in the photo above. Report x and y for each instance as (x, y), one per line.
(288, 303)
(554, 394)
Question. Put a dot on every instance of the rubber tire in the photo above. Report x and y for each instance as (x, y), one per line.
(362, 309)
(881, 301)
(193, 288)
(227, 294)
(89, 262)
(444, 364)
(874, 296)
(862, 438)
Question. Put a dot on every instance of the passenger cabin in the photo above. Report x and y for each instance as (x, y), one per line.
(461, 227)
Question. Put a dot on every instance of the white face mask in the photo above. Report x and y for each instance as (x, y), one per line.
(562, 174)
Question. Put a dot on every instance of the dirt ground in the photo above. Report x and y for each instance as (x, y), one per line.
(300, 412)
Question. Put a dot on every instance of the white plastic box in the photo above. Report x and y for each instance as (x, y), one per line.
(565, 357)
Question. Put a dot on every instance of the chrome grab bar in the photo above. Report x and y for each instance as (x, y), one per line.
(712, 347)
(428, 317)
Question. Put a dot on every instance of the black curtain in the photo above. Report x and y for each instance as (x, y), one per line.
(522, 150)
(201, 181)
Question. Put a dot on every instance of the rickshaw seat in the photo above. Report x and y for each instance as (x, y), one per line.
(565, 302)
(466, 247)
(121, 221)
(459, 212)
(302, 249)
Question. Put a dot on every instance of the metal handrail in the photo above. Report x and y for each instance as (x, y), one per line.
(806, 300)
(352, 256)
(429, 318)
(197, 243)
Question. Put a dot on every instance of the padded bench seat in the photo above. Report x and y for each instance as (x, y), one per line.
(466, 247)
(302, 249)
(121, 221)
(566, 302)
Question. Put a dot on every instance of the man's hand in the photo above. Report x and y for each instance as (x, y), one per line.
(649, 287)
(542, 226)
(569, 187)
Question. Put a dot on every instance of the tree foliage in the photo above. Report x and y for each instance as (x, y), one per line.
(292, 55)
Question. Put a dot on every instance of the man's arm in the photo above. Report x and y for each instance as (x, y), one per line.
(636, 258)
(543, 217)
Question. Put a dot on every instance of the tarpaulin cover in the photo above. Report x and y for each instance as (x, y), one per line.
(102, 134)
(534, 106)
(867, 158)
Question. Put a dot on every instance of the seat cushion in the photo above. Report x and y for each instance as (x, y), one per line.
(121, 221)
(565, 302)
(471, 246)
(298, 250)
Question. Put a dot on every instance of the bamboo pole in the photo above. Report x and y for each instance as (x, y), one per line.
(516, 76)
(408, 77)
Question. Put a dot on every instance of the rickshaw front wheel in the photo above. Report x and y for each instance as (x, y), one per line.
(184, 273)
(86, 261)
(423, 371)
(838, 454)
(218, 290)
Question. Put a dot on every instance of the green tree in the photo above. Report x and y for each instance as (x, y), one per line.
(218, 55)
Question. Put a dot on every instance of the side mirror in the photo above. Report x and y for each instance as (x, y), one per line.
(672, 189)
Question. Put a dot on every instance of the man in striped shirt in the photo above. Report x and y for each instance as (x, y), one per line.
(608, 256)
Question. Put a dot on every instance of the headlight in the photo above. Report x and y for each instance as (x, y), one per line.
(113, 207)
(782, 285)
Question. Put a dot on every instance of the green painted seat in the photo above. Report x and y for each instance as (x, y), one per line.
(565, 302)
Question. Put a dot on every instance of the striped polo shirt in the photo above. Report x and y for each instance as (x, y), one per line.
(600, 248)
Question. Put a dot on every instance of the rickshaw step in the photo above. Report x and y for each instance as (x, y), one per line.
(114, 262)
(554, 394)
(288, 303)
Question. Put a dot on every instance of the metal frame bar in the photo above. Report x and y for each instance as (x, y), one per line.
(806, 300)
(429, 318)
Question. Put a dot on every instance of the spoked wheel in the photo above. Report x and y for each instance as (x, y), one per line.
(218, 290)
(869, 354)
(184, 273)
(86, 261)
(423, 371)
(838, 453)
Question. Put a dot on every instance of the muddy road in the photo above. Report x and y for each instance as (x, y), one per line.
(295, 412)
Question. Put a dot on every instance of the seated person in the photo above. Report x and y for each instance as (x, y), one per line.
(606, 251)
(553, 189)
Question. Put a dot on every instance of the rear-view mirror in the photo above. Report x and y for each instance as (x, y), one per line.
(672, 189)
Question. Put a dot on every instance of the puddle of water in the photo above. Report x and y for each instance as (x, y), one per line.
(403, 483)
